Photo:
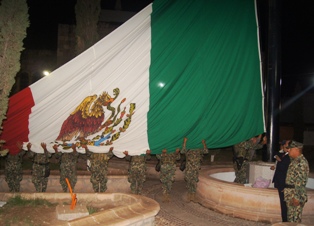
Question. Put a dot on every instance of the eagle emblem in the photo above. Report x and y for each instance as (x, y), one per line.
(89, 119)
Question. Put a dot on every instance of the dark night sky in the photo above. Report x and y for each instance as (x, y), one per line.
(297, 33)
(45, 15)
(298, 36)
(297, 45)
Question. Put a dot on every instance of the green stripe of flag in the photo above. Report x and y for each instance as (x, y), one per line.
(204, 74)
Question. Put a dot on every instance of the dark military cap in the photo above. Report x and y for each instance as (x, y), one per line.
(295, 144)
(282, 142)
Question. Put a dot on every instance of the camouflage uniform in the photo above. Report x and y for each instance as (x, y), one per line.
(296, 180)
(241, 159)
(99, 169)
(193, 164)
(13, 171)
(167, 171)
(137, 172)
(68, 169)
(41, 170)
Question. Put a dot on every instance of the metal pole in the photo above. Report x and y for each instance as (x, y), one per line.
(273, 78)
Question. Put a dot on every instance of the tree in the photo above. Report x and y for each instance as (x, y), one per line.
(87, 16)
(13, 24)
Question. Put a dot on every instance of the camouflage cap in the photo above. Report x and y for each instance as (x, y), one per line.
(295, 144)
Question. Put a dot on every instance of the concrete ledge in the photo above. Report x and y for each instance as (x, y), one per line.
(255, 204)
(127, 209)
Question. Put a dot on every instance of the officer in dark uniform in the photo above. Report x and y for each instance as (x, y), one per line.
(282, 164)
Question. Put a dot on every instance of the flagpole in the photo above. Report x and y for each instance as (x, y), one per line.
(273, 77)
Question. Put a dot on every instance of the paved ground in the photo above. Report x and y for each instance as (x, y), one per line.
(181, 213)
(178, 212)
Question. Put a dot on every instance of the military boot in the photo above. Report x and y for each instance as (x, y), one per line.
(164, 197)
(193, 197)
(168, 198)
(139, 189)
(188, 197)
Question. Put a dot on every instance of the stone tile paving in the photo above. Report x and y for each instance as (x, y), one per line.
(178, 212)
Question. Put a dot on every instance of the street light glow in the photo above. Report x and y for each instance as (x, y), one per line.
(46, 73)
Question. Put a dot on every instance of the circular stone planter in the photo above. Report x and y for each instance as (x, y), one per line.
(256, 204)
(127, 209)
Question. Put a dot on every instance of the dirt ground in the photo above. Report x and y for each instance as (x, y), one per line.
(28, 216)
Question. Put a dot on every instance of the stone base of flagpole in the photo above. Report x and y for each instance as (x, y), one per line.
(65, 213)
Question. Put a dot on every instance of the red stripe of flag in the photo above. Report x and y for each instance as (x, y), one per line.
(15, 127)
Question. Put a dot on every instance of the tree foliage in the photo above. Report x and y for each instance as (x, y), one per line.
(87, 16)
(13, 24)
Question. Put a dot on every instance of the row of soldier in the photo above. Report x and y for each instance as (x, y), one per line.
(99, 168)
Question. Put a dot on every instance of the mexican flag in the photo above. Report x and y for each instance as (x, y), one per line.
(178, 68)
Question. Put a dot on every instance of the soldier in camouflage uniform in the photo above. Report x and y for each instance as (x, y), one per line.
(68, 162)
(241, 157)
(193, 164)
(41, 170)
(297, 176)
(167, 171)
(99, 168)
(137, 171)
(13, 169)
(3, 152)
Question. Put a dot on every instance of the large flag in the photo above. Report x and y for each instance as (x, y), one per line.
(178, 68)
